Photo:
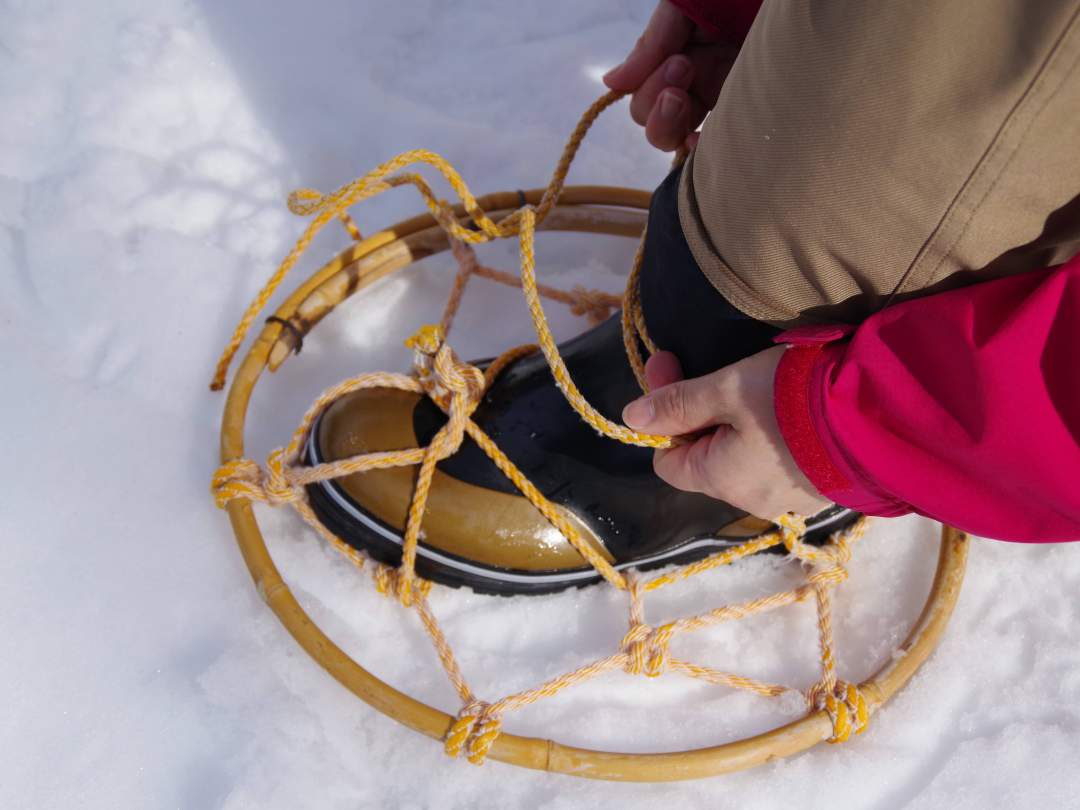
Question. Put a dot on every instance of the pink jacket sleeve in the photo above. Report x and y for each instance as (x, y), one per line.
(962, 406)
(730, 19)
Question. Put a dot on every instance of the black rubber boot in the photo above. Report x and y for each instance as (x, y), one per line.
(478, 530)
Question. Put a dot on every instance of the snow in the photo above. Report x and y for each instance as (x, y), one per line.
(146, 152)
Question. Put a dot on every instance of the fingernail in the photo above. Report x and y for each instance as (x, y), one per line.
(670, 106)
(639, 413)
(676, 70)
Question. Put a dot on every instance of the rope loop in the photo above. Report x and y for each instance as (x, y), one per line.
(306, 201)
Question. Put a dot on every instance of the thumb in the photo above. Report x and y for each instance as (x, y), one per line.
(679, 408)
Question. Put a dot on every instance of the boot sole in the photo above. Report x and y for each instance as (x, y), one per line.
(384, 544)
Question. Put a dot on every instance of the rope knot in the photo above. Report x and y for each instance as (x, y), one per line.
(846, 706)
(277, 486)
(243, 479)
(474, 731)
(646, 649)
(792, 529)
(827, 562)
(443, 375)
(391, 581)
(593, 304)
(236, 479)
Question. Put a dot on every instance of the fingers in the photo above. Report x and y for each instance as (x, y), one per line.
(669, 104)
(677, 71)
(731, 447)
(664, 105)
(673, 118)
(675, 74)
(668, 32)
(662, 368)
(678, 408)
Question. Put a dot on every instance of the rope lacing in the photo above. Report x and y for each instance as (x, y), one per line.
(457, 388)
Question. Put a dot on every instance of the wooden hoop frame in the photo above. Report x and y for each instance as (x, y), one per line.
(591, 209)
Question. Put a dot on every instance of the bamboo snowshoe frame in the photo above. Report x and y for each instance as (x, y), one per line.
(836, 709)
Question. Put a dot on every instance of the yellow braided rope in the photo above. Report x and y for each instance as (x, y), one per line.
(444, 651)
(632, 329)
(558, 368)
(350, 226)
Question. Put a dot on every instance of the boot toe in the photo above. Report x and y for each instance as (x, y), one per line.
(462, 520)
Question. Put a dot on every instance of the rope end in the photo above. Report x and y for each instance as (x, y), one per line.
(218, 382)
(427, 340)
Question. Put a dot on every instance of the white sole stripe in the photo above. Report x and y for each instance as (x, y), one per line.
(503, 575)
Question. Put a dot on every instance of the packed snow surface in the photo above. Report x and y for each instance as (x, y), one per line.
(145, 155)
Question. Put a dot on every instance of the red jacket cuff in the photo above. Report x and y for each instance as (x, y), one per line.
(730, 19)
(798, 398)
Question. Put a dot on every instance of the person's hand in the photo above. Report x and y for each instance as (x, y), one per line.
(737, 453)
(675, 72)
